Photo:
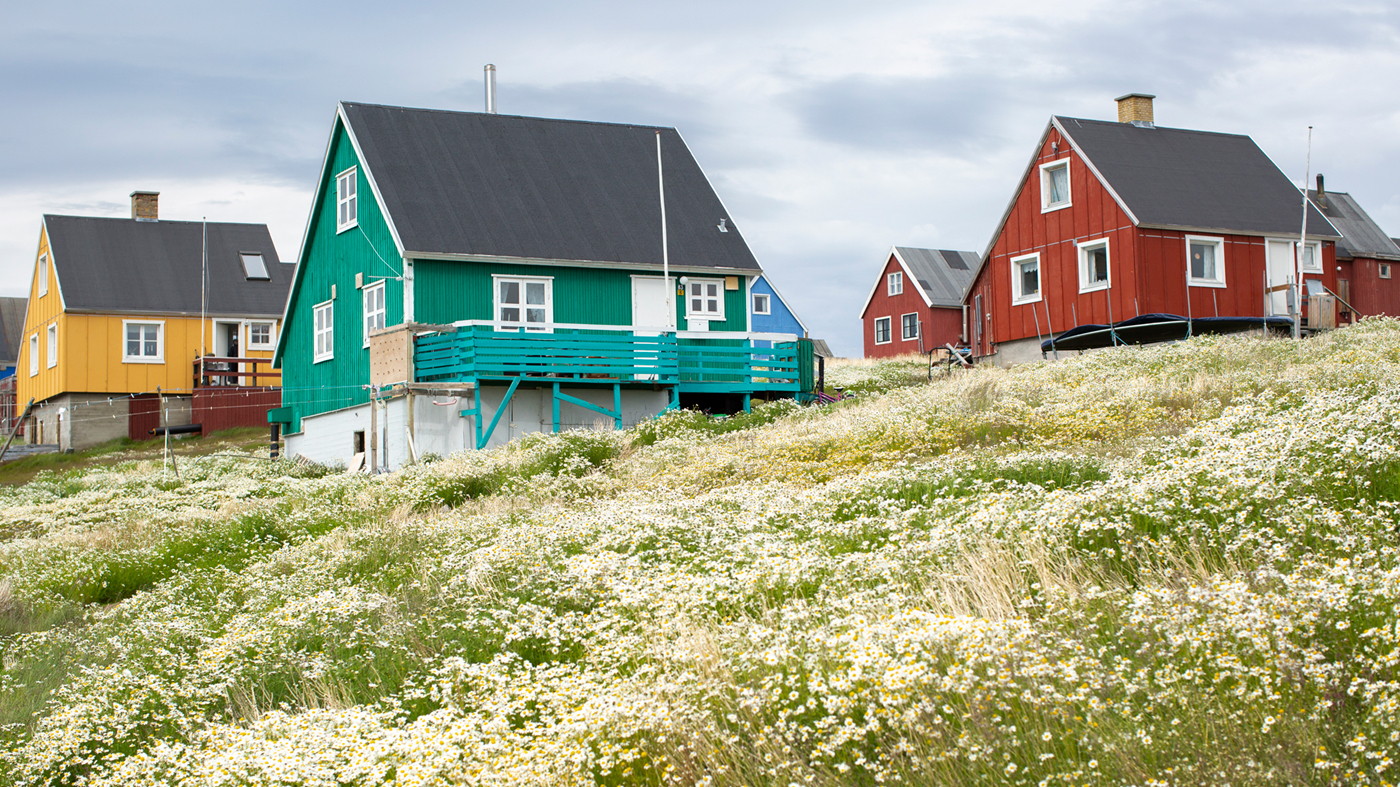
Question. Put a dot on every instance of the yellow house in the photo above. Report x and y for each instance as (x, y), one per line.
(113, 332)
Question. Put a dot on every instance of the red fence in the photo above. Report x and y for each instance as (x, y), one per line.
(145, 416)
(225, 408)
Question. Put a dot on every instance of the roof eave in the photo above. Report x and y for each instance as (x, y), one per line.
(1249, 233)
(641, 266)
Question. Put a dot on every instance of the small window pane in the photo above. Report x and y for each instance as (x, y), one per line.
(695, 304)
(534, 292)
(510, 292)
(711, 290)
(1030, 278)
(534, 315)
(1203, 260)
(1059, 185)
(510, 314)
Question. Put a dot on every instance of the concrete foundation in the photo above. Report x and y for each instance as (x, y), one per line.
(75, 421)
(439, 428)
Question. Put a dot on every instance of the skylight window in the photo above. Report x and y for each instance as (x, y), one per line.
(253, 267)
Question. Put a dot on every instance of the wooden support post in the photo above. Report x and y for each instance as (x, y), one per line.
(412, 447)
(373, 432)
(556, 408)
(15, 428)
(617, 406)
(748, 406)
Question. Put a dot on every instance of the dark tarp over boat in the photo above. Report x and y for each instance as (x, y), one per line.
(1152, 328)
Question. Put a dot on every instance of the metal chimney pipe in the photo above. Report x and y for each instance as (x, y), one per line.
(490, 88)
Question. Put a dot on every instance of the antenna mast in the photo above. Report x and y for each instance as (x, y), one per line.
(1302, 248)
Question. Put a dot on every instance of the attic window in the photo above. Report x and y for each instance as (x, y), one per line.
(894, 283)
(761, 303)
(1054, 186)
(253, 267)
(346, 207)
(43, 275)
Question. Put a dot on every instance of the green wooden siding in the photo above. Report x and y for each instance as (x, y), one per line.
(332, 258)
(445, 291)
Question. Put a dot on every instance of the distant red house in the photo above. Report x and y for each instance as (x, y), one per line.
(916, 304)
(1368, 260)
(1115, 220)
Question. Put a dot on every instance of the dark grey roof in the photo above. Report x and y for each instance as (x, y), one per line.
(1179, 178)
(121, 265)
(11, 327)
(508, 186)
(943, 275)
(1361, 237)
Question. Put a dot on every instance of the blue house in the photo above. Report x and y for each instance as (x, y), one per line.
(771, 313)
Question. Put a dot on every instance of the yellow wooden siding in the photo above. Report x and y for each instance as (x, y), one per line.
(90, 348)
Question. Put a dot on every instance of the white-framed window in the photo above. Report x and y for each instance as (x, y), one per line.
(346, 204)
(1312, 257)
(882, 330)
(524, 303)
(323, 330)
(762, 304)
(51, 359)
(1054, 185)
(1385, 270)
(1094, 272)
(43, 275)
(33, 354)
(1025, 279)
(374, 308)
(261, 335)
(704, 299)
(143, 341)
(254, 269)
(1205, 260)
(908, 327)
(894, 283)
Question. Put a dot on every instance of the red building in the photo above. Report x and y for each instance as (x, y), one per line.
(1368, 260)
(916, 304)
(1115, 220)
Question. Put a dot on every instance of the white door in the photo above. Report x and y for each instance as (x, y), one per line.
(649, 312)
(1280, 275)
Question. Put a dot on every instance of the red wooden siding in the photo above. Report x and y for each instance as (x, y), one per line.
(225, 408)
(941, 326)
(1370, 294)
(144, 416)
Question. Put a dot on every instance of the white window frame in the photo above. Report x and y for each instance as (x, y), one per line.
(271, 335)
(43, 274)
(1046, 206)
(1018, 297)
(160, 342)
(1218, 283)
(889, 332)
(316, 331)
(1084, 284)
(33, 354)
(894, 283)
(382, 312)
(1383, 270)
(501, 325)
(704, 315)
(350, 217)
(915, 337)
(767, 303)
(1316, 246)
(51, 349)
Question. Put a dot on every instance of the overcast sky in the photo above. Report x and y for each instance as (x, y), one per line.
(832, 130)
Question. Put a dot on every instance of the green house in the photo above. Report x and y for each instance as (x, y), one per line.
(467, 277)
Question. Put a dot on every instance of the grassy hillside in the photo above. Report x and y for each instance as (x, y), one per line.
(1173, 565)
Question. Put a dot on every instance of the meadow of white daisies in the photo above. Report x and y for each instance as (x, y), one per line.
(1173, 565)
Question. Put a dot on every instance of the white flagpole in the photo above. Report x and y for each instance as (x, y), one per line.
(1302, 247)
(203, 293)
(665, 250)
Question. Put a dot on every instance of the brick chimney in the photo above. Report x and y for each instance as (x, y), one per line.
(145, 205)
(1135, 108)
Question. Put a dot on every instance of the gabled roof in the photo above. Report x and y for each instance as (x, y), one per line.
(1361, 237)
(153, 267)
(11, 327)
(942, 276)
(472, 184)
(1183, 179)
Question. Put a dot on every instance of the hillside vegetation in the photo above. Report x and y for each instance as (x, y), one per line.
(1173, 565)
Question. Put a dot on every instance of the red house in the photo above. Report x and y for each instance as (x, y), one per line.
(916, 304)
(1116, 220)
(1368, 260)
